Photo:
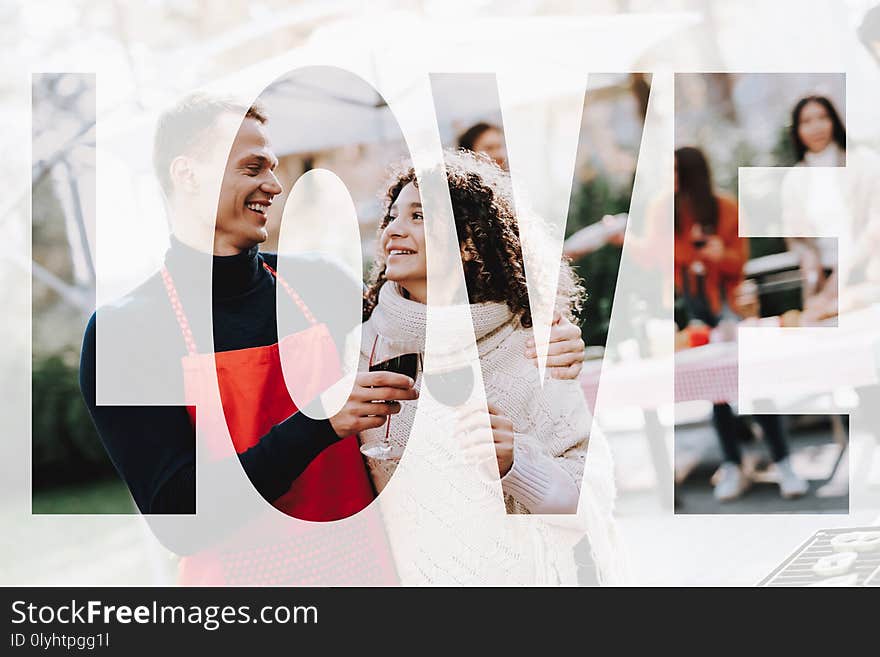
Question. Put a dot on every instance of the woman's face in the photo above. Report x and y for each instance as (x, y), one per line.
(815, 127)
(491, 143)
(403, 244)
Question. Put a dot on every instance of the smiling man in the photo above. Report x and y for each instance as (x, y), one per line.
(307, 468)
(153, 447)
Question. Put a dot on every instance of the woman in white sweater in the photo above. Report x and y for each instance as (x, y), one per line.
(541, 434)
(849, 197)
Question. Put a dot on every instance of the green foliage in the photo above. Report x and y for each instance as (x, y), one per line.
(725, 165)
(761, 246)
(105, 496)
(783, 152)
(592, 201)
(65, 445)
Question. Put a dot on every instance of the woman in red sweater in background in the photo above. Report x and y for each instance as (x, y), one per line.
(709, 261)
(709, 254)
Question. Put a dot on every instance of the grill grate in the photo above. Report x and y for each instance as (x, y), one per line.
(797, 569)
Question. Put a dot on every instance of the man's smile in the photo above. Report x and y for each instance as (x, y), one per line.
(259, 207)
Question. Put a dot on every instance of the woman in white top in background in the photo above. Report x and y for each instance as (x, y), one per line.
(540, 433)
(848, 196)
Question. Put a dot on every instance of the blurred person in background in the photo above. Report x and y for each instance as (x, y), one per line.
(818, 136)
(709, 261)
(709, 255)
(869, 32)
(819, 139)
(488, 139)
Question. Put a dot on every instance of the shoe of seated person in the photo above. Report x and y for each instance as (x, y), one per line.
(790, 484)
(732, 482)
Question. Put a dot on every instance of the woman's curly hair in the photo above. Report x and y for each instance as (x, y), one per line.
(488, 235)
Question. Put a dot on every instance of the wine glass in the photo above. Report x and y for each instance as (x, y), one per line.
(385, 356)
(452, 386)
(700, 236)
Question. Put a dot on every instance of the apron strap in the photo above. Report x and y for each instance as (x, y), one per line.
(293, 295)
(183, 322)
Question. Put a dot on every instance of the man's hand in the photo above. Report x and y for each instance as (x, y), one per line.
(374, 397)
(471, 427)
(565, 354)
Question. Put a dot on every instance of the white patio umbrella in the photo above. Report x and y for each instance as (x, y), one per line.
(399, 51)
(396, 52)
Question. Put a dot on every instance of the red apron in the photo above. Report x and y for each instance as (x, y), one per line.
(334, 486)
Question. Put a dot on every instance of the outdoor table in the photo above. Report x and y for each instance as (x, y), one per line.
(707, 373)
(847, 356)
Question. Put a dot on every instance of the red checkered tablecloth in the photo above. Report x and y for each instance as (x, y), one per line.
(776, 362)
(702, 373)
(709, 373)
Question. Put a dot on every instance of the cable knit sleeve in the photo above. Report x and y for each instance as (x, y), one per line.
(549, 455)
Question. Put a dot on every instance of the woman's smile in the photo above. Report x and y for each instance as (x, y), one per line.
(396, 253)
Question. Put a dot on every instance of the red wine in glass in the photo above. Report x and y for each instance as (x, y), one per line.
(407, 364)
(384, 359)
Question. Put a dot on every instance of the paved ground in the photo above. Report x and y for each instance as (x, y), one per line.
(705, 543)
(813, 455)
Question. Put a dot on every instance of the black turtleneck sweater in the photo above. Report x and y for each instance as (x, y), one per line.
(153, 447)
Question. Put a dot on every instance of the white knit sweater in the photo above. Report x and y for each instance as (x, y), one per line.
(434, 491)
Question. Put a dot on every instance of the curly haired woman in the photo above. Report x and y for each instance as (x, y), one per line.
(540, 433)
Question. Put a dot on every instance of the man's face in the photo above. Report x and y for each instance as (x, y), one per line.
(249, 185)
